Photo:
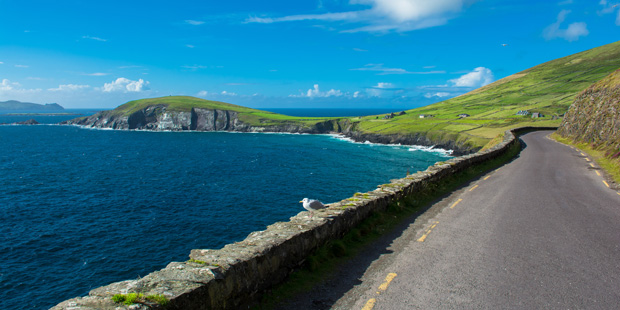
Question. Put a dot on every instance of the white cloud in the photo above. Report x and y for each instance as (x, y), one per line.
(69, 87)
(202, 93)
(94, 38)
(382, 89)
(408, 10)
(438, 94)
(125, 85)
(385, 71)
(479, 77)
(21, 66)
(194, 22)
(189, 46)
(316, 92)
(8, 85)
(571, 33)
(1, 63)
(384, 15)
(96, 74)
(225, 93)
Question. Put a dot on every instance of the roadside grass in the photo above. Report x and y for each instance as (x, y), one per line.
(610, 165)
(336, 253)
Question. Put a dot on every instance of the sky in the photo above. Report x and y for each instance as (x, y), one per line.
(397, 54)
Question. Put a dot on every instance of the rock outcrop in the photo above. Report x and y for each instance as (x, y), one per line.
(28, 122)
(594, 116)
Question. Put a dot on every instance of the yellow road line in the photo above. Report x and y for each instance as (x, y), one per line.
(471, 189)
(488, 176)
(605, 183)
(456, 203)
(387, 281)
(597, 173)
(587, 159)
(583, 154)
(371, 303)
(592, 165)
(421, 239)
(618, 193)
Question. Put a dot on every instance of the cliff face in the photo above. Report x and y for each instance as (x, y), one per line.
(594, 116)
(158, 118)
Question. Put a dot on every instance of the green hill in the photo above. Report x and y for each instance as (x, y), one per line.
(549, 88)
(186, 103)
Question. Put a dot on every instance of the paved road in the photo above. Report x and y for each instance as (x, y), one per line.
(542, 232)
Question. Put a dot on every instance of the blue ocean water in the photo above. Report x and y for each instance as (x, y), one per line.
(82, 208)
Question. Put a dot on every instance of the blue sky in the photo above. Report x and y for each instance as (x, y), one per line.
(266, 54)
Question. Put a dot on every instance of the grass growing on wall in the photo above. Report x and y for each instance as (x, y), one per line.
(336, 253)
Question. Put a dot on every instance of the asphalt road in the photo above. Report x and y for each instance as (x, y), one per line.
(542, 232)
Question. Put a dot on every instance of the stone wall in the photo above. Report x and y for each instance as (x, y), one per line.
(238, 273)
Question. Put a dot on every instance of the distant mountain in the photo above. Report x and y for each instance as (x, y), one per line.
(14, 105)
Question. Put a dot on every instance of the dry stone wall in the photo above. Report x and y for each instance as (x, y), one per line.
(233, 276)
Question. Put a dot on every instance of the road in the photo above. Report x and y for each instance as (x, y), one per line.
(541, 232)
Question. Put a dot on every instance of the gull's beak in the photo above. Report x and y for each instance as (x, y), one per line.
(302, 201)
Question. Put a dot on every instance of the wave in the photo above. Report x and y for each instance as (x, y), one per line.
(411, 148)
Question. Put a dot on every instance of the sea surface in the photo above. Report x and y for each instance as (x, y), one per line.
(82, 208)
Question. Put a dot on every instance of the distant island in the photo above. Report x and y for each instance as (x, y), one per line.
(14, 105)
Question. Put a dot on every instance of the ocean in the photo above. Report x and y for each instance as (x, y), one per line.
(82, 208)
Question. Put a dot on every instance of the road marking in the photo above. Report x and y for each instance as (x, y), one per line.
(427, 232)
(605, 183)
(456, 203)
(387, 281)
(618, 193)
(583, 154)
(488, 176)
(371, 303)
(597, 173)
(592, 165)
(471, 189)
(587, 159)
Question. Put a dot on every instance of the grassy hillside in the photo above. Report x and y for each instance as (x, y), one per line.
(549, 88)
(186, 103)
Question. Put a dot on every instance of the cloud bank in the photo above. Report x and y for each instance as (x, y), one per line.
(125, 85)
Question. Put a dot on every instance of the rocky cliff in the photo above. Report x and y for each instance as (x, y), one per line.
(160, 118)
(594, 116)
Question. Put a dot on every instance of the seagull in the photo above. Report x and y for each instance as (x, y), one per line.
(504, 44)
(312, 205)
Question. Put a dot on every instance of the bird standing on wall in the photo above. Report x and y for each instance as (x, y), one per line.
(312, 205)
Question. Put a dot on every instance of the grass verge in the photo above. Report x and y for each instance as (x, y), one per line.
(610, 165)
(336, 253)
